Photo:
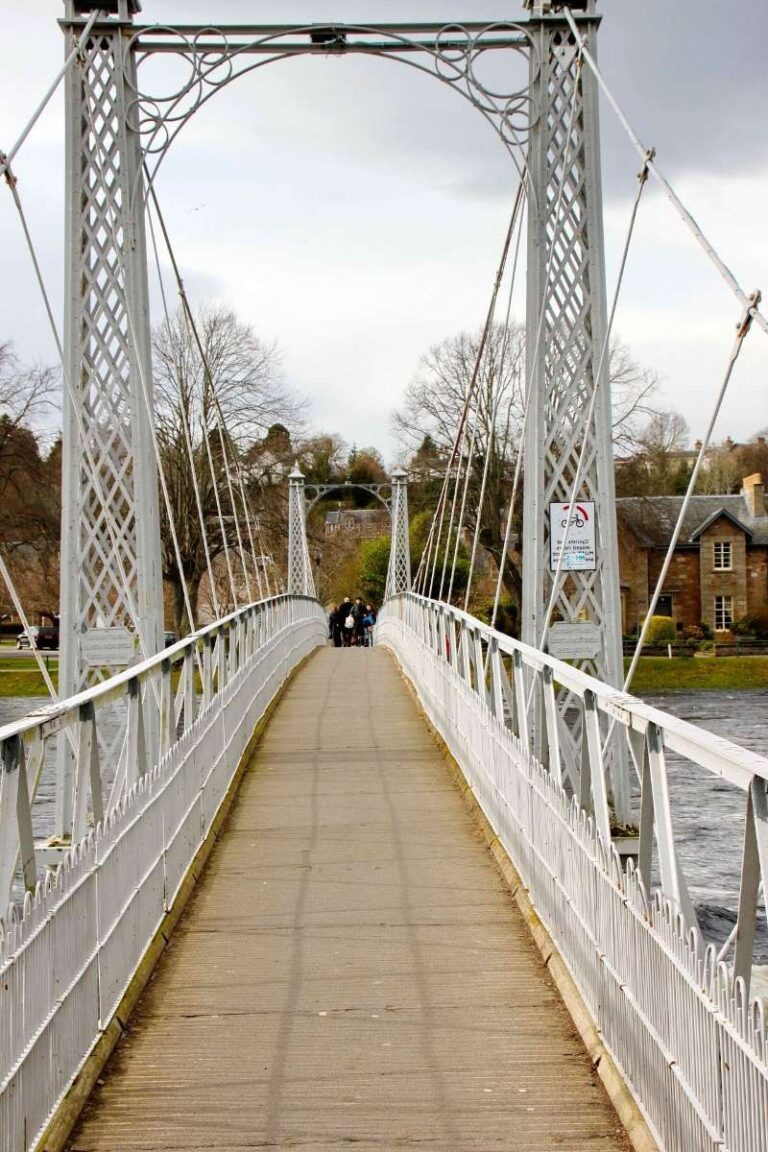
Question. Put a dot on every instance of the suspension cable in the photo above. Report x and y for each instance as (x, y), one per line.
(742, 330)
(185, 428)
(94, 471)
(492, 435)
(194, 331)
(682, 211)
(7, 158)
(459, 437)
(190, 455)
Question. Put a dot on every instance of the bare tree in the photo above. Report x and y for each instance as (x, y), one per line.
(434, 401)
(237, 379)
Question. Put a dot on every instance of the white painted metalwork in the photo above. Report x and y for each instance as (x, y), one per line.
(679, 1023)
(569, 405)
(68, 952)
(300, 582)
(399, 568)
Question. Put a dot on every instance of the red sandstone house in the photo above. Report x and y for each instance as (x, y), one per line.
(719, 571)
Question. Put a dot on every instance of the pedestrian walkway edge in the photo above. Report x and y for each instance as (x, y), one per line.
(627, 1109)
(59, 1128)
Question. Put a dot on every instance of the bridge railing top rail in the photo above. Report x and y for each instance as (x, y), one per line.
(45, 721)
(733, 763)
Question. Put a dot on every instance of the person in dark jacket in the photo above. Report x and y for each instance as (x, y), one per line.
(358, 615)
(335, 626)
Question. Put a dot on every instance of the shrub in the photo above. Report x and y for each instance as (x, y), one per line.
(506, 618)
(753, 624)
(661, 631)
(692, 633)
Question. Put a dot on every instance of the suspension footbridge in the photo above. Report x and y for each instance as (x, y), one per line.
(344, 953)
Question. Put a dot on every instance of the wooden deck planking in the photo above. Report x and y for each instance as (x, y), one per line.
(351, 971)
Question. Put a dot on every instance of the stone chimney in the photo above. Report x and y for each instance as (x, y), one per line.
(754, 495)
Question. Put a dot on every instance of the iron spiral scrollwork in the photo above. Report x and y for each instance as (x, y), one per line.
(214, 57)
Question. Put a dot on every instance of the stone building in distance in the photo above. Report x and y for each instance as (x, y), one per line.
(719, 571)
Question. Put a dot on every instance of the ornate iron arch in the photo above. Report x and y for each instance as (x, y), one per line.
(322, 490)
(216, 56)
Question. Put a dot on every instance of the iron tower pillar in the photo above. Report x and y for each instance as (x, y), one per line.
(300, 581)
(399, 570)
(111, 585)
(567, 372)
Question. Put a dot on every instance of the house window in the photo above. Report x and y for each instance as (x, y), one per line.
(723, 560)
(723, 613)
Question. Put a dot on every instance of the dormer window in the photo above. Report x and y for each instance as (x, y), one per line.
(723, 561)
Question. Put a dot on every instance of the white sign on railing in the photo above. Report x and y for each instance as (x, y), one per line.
(108, 647)
(580, 554)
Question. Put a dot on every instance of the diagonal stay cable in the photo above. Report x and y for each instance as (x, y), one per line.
(494, 418)
(458, 439)
(742, 330)
(682, 211)
(223, 430)
(73, 400)
(185, 435)
(7, 158)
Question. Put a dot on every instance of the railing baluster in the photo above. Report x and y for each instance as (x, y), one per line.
(167, 709)
(754, 864)
(597, 767)
(672, 881)
(521, 708)
(13, 814)
(87, 773)
(136, 752)
(550, 717)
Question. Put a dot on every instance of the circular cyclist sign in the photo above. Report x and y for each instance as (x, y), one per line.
(572, 532)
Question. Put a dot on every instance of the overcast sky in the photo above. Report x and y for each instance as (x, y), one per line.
(353, 210)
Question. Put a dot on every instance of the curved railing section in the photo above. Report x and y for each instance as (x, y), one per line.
(675, 1016)
(70, 946)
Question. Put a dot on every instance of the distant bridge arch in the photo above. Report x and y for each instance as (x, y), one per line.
(384, 493)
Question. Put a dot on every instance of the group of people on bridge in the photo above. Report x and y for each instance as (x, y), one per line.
(350, 624)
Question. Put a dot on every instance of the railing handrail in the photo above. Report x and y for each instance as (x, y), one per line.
(53, 717)
(719, 755)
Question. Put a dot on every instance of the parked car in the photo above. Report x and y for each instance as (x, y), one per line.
(170, 638)
(43, 637)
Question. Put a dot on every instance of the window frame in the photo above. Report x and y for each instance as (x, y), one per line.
(725, 547)
(723, 609)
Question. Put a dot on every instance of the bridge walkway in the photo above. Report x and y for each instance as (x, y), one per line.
(351, 970)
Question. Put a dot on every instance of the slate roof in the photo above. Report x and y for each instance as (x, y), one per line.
(653, 518)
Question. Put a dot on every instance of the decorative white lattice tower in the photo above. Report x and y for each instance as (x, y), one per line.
(111, 587)
(300, 580)
(570, 404)
(399, 571)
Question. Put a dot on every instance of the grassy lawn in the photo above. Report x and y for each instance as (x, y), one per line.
(680, 674)
(19, 676)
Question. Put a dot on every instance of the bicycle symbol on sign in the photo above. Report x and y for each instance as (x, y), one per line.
(575, 522)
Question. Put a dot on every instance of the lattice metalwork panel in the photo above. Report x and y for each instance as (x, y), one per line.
(399, 571)
(568, 437)
(103, 584)
(567, 314)
(300, 579)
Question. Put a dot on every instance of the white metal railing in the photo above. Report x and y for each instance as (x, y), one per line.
(676, 1018)
(68, 951)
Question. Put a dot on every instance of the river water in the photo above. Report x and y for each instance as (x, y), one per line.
(708, 814)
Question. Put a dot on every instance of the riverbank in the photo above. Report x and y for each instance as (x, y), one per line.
(700, 674)
(19, 676)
